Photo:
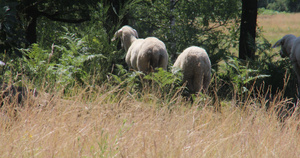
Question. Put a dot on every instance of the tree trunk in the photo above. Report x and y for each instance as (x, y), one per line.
(31, 14)
(173, 56)
(247, 45)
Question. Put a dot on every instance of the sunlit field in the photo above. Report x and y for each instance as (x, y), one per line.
(115, 123)
(110, 121)
(276, 26)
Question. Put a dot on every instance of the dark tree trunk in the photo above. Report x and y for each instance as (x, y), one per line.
(248, 29)
(31, 14)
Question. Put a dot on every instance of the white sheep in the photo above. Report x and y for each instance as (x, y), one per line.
(196, 68)
(142, 54)
(290, 46)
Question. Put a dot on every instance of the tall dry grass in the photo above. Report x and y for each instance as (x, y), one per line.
(111, 122)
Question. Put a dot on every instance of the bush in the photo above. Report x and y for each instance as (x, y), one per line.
(165, 84)
(62, 66)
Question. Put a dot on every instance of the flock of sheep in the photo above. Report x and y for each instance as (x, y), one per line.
(147, 54)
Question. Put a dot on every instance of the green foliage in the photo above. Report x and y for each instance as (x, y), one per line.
(263, 11)
(11, 32)
(164, 80)
(64, 66)
(280, 5)
(73, 58)
(96, 37)
(272, 64)
(212, 25)
(240, 75)
(164, 83)
(125, 78)
(83, 52)
(37, 66)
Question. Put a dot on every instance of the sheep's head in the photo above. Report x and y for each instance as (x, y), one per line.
(127, 35)
(286, 44)
(283, 52)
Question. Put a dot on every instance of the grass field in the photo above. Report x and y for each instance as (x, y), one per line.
(112, 125)
(112, 122)
(277, 25)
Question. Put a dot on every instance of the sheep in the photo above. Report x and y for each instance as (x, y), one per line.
(142, 54)
(196, 68)
(290, 46)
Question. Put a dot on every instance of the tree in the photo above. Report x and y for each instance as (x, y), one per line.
(114, 12)
(19, 18)
(248, 29)
(68, 11)
(180, 24)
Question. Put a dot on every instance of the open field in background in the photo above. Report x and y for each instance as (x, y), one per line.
(112, 122)
(276, 26)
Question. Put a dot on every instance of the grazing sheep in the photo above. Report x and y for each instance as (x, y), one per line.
(290, 46)
(196, 68)
(142, 54)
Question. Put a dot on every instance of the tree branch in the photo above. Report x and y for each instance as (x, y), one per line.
(55, 18)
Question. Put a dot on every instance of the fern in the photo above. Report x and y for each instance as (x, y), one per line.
(66, 64)
(241, 75)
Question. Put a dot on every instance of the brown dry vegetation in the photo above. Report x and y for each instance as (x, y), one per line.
(116, 123)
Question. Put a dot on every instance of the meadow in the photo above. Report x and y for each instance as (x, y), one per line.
(275, 26)
(111, 121)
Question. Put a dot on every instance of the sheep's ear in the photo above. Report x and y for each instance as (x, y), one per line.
(135, 33)
(117, 34)
(278, 43)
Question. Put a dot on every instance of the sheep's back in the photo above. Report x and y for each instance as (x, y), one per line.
(153, 44)
(132, 53)
(153, 52)
(192, 60)
(196, 67)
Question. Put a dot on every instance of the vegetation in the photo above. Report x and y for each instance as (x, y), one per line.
(111, 122)
(280, 5)
(90, 105)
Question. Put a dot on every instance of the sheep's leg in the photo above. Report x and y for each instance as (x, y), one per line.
(143, 63)
(206, 81)
(190, 90)
(190, 84)
(143, 67)
(153, 64)
(163, 62)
